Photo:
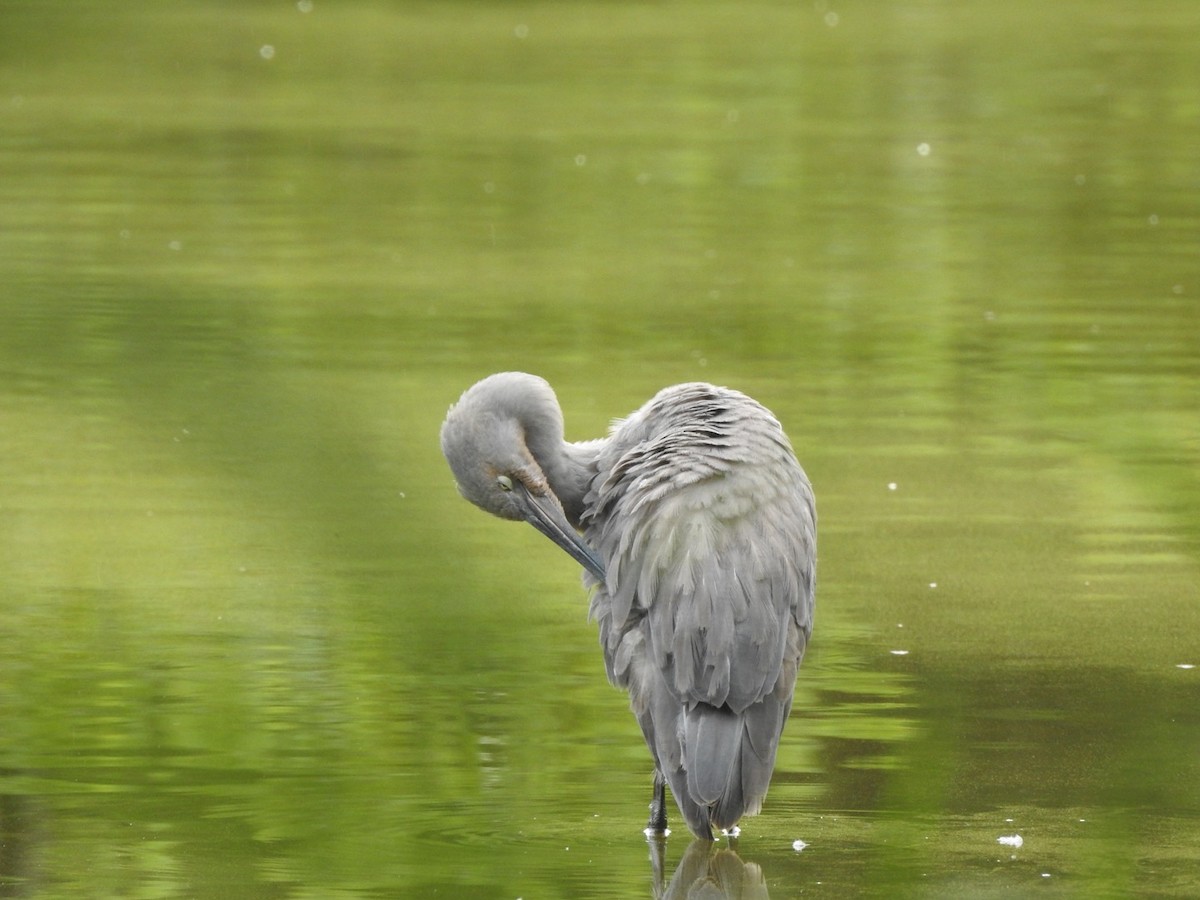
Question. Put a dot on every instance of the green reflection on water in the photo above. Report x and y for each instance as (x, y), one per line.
(257, 646)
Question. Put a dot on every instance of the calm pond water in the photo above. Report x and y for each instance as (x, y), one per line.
(255, 644)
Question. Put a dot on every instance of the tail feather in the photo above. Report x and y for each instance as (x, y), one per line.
(729, 757)
(712, 738)
(717, 762)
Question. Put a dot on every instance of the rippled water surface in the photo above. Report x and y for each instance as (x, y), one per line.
(257, 646)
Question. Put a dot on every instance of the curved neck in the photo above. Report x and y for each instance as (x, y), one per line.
(568, 467)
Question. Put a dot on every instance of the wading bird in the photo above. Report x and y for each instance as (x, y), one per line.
(699, 541)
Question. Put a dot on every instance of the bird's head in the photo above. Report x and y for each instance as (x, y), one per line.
(484, 440)
(489, 460)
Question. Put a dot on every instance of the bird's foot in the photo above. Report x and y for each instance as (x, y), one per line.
(657, 823)
(658, 807)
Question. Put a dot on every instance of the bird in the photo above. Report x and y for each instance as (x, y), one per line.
(696, 527)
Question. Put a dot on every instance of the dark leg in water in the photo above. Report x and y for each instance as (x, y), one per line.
(658, 805)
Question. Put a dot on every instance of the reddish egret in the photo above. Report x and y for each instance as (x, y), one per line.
(699, 541)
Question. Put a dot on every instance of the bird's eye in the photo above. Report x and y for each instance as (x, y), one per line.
(504, 483)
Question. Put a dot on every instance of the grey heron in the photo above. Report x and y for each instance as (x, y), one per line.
(696, 528)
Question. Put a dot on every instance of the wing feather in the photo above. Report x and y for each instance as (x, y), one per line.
(708, 529)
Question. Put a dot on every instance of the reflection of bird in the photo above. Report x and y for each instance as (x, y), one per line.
(706, 873)
(700, 535)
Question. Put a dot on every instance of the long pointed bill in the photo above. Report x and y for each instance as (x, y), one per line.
(546, 515)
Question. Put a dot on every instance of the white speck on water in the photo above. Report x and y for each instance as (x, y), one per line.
(521, 32)
(1010, 840)
(831, 19)
(1009, 821)
(731, 832)
(581, 159)
(305, 6)
(798, 845)
(266, 51)
(923, 149)
(1185, 665)
(898, 652)
(1045, 874)
(400, 494)
(932, 585)
(892, 485)
(899, 624)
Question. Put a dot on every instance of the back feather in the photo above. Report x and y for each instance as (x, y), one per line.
(708, 528)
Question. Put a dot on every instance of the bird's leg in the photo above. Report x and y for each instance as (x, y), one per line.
(658, 805)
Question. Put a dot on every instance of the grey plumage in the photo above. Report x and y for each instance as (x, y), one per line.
(699, 541)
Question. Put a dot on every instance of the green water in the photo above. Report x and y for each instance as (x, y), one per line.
(255, 645)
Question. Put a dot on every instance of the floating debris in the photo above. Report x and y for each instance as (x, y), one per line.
(798, 845)
(1010, 840)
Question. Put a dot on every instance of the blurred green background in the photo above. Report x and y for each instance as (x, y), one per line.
(257, 646)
